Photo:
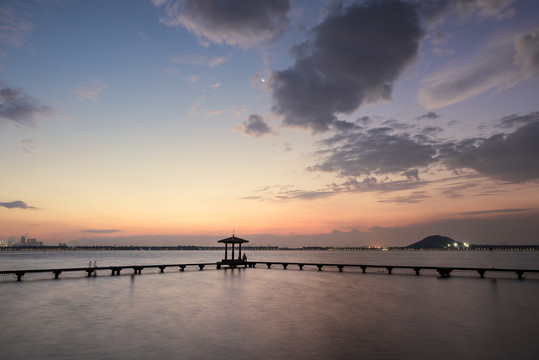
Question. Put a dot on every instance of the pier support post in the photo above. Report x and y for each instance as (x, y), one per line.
(319, 267)
(340, 267)
(19, 275)
(363, 268)
(201, 266)
(284, 266)
(389, 269)
(417, 270)
(89, 271)
(162, 269)
(269, 265)
(481, 272)
(300, 266)
(519, 274)
(444, 272)
(56, 273)
(182, 267)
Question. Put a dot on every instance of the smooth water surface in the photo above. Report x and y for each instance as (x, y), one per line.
(273, 313)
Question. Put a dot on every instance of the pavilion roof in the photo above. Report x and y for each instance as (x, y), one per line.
(233, 240)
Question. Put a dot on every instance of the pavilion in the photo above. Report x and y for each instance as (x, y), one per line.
(232, 262)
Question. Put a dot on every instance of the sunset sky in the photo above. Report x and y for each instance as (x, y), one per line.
(292, 123)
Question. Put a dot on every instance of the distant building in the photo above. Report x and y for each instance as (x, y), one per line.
(25, 242)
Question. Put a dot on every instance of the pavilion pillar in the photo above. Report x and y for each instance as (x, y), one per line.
(239, 256)
(226, 251)
(232, 251)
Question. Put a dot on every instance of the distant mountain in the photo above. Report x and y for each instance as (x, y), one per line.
(436, 242)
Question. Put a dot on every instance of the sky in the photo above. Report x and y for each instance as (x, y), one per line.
(287, 122)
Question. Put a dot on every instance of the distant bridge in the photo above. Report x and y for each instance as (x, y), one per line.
(444, 272)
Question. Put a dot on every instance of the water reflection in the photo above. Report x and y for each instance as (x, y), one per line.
(269, 314)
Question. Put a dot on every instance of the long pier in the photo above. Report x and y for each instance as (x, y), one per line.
(443, 272)
(92, 271)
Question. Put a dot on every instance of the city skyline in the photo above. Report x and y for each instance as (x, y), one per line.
(298, 123)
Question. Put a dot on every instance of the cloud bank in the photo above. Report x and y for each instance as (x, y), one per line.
(510, 157)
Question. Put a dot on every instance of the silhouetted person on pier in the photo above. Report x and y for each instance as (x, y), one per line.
(244, 257)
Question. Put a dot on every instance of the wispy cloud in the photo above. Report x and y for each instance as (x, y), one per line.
(26, 145)
(280, 193)
(500, 65)
(16, 205)
(496, 211)
(100, 231)
(414, 197)
(238, 112)
(13, 29)
(213, 112)
(201, 60)
(90, 92)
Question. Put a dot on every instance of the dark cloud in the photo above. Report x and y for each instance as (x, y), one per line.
(432, 130)
(233, 22)
(255, 125)
(496, 211)
(412, 174)
(18, 107)
(517, 120)
(375, 152)
(364, 121)
(429, 115)
(351, 58)
(512, 157)
(104, 231)
(16, 205)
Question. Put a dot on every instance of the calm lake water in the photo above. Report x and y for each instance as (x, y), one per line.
(272, 313)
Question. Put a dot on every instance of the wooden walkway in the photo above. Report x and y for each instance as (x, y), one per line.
(443, 272)
(92, 271)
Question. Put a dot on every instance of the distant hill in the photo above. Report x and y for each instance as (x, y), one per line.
(436, 242)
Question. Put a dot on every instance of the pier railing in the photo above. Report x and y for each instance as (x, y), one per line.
(443, 272)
